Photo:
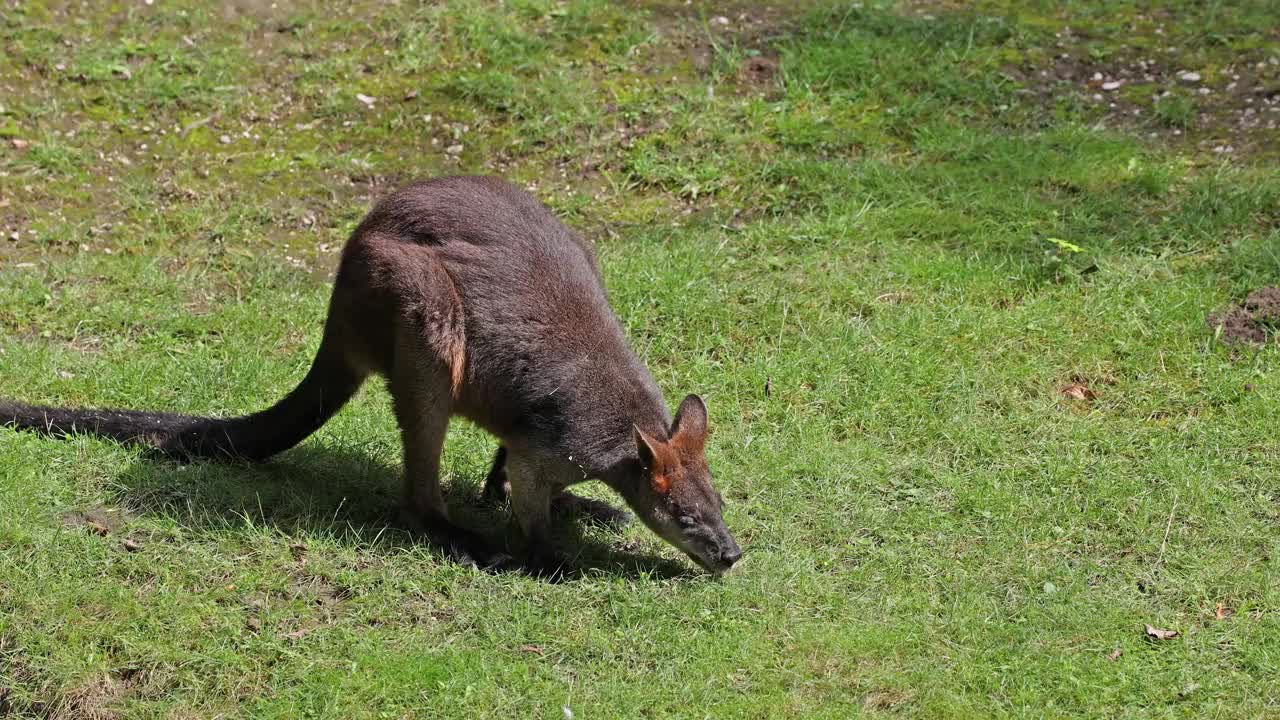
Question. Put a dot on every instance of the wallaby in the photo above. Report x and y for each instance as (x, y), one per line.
(471, 298)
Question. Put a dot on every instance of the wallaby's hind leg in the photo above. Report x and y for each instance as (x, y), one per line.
(497, 488)
(420, 389)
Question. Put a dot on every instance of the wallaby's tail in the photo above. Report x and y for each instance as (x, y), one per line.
(327, 387)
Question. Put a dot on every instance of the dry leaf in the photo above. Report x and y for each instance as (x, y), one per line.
(253, 624)
(297, 634)
(1076, 391)
(1156, 633)
(1222, 612)
(411, 95)
(1114, 655)
(19, 143)
(532, 649)
(132, 545)
(96, 527)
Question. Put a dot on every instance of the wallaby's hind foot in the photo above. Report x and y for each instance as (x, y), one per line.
(548, 565)
(461, 545)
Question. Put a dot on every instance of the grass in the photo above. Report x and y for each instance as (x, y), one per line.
(879, 255)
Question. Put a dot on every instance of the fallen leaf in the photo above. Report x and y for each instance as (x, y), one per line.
(1065, 246)
(1222, 612)
(1114, 655)
(253, 624)
(96, 527)
(132, 545)
(411, 95)
(1156, 633)
(19, 143)
(368, 101)
(1076, 391)
(532, 649)
(297, 634)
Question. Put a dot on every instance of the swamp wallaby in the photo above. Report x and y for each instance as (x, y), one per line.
(470, 298)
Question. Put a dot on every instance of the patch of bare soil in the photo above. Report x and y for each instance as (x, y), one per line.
(758, 73)
(1253, 322)
(99, 520)
(693, 31)
(92, 700)
(1233, 110)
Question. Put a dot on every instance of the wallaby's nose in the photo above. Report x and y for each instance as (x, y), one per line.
(731, 554)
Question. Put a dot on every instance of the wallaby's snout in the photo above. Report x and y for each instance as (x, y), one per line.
(725, 552)
(730, 553)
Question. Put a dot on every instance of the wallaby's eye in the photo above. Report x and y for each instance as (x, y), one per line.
(687, 521)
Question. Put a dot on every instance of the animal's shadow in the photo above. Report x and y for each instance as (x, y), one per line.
(348, 494)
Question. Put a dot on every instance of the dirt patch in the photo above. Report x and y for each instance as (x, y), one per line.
(1150, 74)
(693, 32)
(99, 520)
(758, 73)
(1253, 322)
(93, 700)
(1229, 109)
(884, 700)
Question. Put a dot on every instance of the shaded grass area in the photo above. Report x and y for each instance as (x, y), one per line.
(879, 261)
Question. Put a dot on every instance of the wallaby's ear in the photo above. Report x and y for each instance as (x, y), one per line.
(689, 429)
(654, 457)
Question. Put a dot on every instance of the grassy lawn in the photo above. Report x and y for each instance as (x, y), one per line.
(940, 269)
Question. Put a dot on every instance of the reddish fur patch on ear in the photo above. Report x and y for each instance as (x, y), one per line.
(689, 444)
(659, 459)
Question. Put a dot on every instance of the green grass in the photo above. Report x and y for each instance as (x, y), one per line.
(880, 266)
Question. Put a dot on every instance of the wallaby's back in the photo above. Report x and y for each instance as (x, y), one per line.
(544, 355)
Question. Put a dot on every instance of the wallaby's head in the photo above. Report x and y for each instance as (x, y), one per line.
(676, 499)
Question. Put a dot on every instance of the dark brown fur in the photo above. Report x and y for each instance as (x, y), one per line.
(471, 299)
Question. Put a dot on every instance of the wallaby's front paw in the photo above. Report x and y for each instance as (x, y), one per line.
(475, 552)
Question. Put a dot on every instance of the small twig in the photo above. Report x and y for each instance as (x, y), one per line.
(193, 125)
(1167, 526)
